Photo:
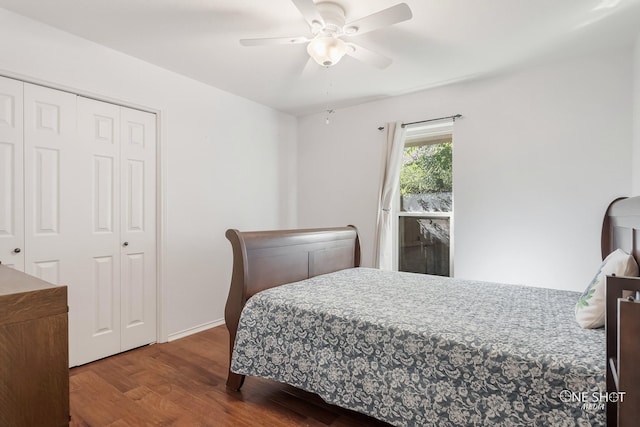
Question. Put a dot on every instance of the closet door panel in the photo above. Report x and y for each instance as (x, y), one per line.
(46, 187)
(96, 315)
(11, 174)
(49, 271)
(51, 179)
(138, 219)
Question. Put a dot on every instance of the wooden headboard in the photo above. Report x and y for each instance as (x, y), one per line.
(266, 259)
(621, 227)
(620, 230)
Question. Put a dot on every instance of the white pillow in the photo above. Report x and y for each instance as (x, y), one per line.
(590, 309)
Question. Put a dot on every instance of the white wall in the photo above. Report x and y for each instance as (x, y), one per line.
(636, 119)
(538, 155)
(227, 162)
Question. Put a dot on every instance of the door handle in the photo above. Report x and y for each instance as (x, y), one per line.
(17, 250)
(125, 244)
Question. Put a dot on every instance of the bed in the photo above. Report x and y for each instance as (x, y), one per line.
(405, 348)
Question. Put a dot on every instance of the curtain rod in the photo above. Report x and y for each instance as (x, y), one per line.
(454, 117)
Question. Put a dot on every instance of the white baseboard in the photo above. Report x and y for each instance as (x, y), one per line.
(185, 333)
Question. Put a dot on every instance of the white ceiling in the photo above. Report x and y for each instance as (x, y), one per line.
(446, 41)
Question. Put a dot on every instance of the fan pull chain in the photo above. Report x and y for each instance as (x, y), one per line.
(328, 110)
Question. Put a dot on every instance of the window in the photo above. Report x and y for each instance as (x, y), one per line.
(425, 203)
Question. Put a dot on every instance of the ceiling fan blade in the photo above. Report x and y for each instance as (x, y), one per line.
(393, 15)
(273, 41)
(368, 56)
(310, 12)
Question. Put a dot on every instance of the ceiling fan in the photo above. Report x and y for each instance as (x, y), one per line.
(328, 26)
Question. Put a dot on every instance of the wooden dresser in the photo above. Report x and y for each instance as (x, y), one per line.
(34, 351)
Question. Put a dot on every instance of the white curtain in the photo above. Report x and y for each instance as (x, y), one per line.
(390, 181)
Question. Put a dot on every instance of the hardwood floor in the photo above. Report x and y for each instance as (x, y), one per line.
(182, 383)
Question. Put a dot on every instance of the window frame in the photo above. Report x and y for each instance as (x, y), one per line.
(432, 133)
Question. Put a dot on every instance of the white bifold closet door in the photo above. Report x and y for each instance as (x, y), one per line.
(89, 212)
(11, 173)
(116, 310)
(52, 250)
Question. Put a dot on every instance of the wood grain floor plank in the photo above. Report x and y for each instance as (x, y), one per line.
(182, 383)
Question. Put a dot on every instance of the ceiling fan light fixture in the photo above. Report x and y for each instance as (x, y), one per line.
(327, 51)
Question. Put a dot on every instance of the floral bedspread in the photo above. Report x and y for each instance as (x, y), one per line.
(417, 350)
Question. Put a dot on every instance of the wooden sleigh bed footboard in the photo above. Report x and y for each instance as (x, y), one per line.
(266, 259)
(621, 230)
(623, 349)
